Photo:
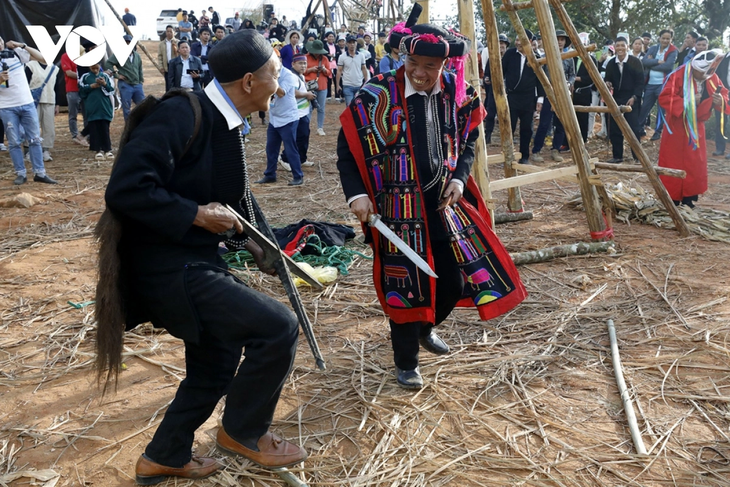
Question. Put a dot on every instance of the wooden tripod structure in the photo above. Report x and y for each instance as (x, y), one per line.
(592, 189)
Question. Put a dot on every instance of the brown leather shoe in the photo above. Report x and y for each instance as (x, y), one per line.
(274, 452)
(150, 473)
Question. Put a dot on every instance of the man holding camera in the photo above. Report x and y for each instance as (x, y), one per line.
(17, 110)
(184, 71)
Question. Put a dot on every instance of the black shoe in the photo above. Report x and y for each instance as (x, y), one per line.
(44, 179)
(296, 182)
(615, 160)
(523, 161)
(434, 344)
(20, 180)
(656, 136)
(718, 154)
(266, 180)
(409, 379)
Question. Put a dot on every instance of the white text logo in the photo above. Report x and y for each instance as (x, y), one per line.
(72, 38)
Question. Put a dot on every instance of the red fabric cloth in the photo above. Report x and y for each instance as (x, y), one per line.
(675, 152)
(72, 84)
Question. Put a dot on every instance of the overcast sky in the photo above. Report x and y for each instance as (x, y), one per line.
(147, 11)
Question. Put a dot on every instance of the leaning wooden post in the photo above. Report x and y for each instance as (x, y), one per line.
(327, 20)
(481, 171)
(514, 198)
(563, 107)
(656, 183)
(424, 18)
(126, 29)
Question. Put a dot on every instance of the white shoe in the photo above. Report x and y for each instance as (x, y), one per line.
(320, 132)
(555, 154)
(47, 156)
(285, 165)
(3, 148)
(110, 155)
(100, 156)
(535, 157)
(307, 163)
(27, 156)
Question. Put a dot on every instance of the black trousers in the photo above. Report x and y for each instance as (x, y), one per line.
(232, 316)
(99, 135)
(524, 115)
(491, 107)
(449, 287)
(583, 98)
(615, 134)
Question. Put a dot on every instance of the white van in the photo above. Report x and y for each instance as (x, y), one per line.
(166, 17)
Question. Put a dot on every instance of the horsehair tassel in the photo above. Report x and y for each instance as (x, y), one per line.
(690, 108)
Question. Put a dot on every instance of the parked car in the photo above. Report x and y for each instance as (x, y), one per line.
(166, 17)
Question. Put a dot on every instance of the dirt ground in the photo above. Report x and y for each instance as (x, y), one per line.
(529, 398)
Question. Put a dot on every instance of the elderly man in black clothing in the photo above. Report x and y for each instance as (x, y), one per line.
(168, 189)
(522, 89)
(625, 76)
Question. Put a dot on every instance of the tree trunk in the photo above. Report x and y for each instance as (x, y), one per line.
(551, 253)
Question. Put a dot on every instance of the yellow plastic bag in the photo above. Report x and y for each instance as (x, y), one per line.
(325, 274)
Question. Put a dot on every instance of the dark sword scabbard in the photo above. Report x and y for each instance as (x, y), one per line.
(291, 290)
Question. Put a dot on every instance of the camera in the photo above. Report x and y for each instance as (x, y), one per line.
(7, 54)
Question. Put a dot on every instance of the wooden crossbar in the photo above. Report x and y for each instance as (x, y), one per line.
(569, 54)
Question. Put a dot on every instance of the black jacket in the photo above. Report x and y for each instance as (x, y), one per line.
(196, 49)
(627, 84)
(175, 71)
(522, 89)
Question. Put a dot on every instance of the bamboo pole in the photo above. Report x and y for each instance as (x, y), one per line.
(544, 255)
(327, 20)
(514, 197)
(309, 19)
(289, 477)
(563, 108)
(625, 398)
(581, 108)
(664, 171)
(569, 54)
(126, 29)
(424, 18)
(480, 171)
(656, 183)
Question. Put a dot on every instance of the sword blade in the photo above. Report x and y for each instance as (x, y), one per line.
(378, 224)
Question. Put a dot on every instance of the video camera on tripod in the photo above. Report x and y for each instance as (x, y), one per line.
(6, 54)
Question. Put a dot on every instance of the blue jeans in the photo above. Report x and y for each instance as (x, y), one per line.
(350, 92)
(274, 137)
(130, 93)
(74, 107)
(321, 102)
(25, 118)
(302, 139)
(651, 95)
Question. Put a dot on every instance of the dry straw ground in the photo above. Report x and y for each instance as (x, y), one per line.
(526, 399)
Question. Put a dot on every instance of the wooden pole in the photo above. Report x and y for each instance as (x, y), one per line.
(544, 255)
(500, 218)
(664, 171)
(584, 109)
(480, 170)
(309, 19)
(569, 54)
(327, 20)
(563, 108)
(514, 198)
(625, 398)
(424, 18)
(126, 29)
(656, 183)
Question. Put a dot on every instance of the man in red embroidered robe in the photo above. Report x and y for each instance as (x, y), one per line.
(405, 152)
(685, 109)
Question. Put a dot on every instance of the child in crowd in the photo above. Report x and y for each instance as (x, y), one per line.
(304, 105)
(95, 89)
